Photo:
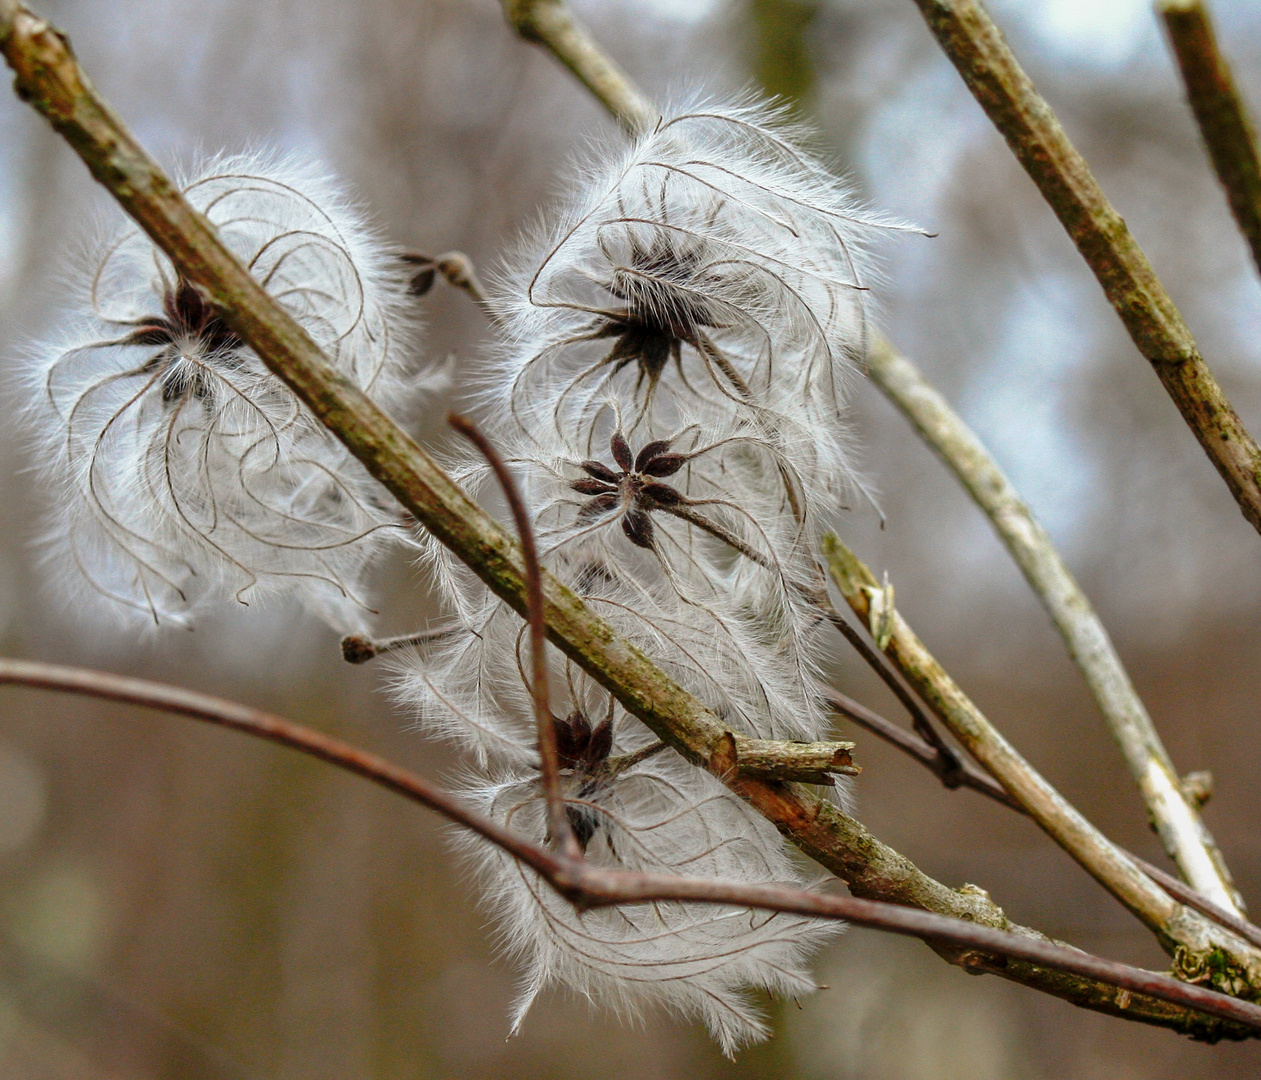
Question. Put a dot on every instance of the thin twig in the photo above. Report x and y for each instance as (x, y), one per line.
(1113, 868)
(550, 23)
(972, 777)
(358, 649)
(977, 49)
(1183, 834)
(589, 886)
(51, 81)
(558, 825)
(1228, 132)
(457, 270)
(965, 774)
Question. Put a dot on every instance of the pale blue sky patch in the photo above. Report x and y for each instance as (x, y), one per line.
(1103, 35)
(1020, 405)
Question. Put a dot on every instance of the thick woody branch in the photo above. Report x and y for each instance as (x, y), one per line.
(49, 78)
(1184, 932)
(551, 23)
(1181, 831)
(977, 49)
(588, 886)
(1228, 132)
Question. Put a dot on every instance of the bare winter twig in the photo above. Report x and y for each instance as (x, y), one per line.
(1228, 132)
(977, 49)
(558, 826)
(1183, 834)
(551, 23)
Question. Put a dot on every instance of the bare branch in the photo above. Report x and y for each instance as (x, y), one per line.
(550, 23)
(972, 777)
(1228, 132)
(1181, 831)
(976, 47)
(589, 886)
(1103, 860)
(558, 825)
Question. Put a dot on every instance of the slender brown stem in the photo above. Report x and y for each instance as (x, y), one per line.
(275, 729)
(949, 766)
(559, 827)
(1228, 131)
(977, 49)
(964, 773)
(590, 886)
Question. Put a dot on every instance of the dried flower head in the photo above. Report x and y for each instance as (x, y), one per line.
(185, 471)
(716, 259)
(700, 961)
(634, 805)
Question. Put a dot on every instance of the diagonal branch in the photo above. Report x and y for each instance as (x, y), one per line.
(590, 886)
(551, 23)
(977, 49)
(1181, 831)
(972, 777)
(49, 78)
(1228, 132)
(1191, 937)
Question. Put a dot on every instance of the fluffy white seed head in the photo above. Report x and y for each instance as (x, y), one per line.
(717, 259)
(700, 961)
(184, 471)
(636, 806)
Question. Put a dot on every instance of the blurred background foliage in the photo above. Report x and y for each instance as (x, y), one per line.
(178, 902)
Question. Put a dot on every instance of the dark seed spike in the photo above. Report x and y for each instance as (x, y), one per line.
(567, 744)
(591, 487)
(156, 333)
(600, 744)
(661, 493)
(652, 450)
(621, 452)
(583, 823)
(664, 464)
(600, 472)
(638, 528)
(581, 728)
(601, 504)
